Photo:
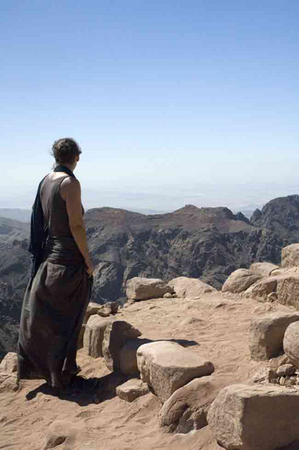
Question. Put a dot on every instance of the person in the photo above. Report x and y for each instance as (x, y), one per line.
(59, 290)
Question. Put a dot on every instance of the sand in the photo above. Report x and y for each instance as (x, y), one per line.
(215, 326)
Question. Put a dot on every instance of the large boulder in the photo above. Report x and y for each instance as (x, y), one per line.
(290, 256)
(146, 288)
(291, 343)
(240, 280)
(116, 335)
(255, 417)
(190, 287)
(94, 335)
(187, 408)
(132, 389)
(9, 363)
(262, 288)
(287, 290)
(128, 356)
(264, 269)
(166, 366)
(267, 333)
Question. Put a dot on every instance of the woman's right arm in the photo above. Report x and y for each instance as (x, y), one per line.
(71, 193)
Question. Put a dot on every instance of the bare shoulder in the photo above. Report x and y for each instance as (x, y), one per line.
(70, 186)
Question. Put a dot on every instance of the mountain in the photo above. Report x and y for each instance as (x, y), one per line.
(206, 243)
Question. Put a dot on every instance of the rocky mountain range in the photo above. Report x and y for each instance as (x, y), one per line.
(206, 243)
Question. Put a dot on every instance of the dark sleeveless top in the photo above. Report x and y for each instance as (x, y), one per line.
(61, 247)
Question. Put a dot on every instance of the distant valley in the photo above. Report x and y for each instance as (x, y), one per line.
(206, 243)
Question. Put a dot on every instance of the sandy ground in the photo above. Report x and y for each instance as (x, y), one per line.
(215, 326)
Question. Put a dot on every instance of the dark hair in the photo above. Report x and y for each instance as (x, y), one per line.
(65, 150)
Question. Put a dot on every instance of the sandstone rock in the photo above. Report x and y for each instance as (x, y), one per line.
(146, 288)
(262, 289)
(128, 355)
(291, 343)
(266, 334)
(286, 370)
(116, 335)
(94, 335)
(264, 269)
(278, 361)
(288, 290)
(104, 312)
(190, 287)
(264, 375)
(132, 389)
(92, 309)
(255, 417)
(9, 363)
(167, 366)
(290, 256)
(167, 295)
(187, 407)
(8, 382)
(239, 281)
(58, 433)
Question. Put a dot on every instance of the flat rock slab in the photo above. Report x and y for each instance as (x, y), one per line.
(139, 288)
(116, 335)
(287, 290)
(9, 363)
(267, 333)
(167, 366)
(190, 287)
(240, 280)
(247, 417)
(187, 408)
(132, 389)
(94, 335)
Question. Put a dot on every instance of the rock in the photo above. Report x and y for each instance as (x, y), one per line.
(190, 287)
(278, 361)
(146, 288)
(187, 407)
(262, 289)
(116, 335)
(255, 417)
(8, 382)
(264, 375)
(128, 356)
(287, 290)
(272, 297)
(9, 363)
(290, 256)
(104, 312)
(92, 309)
(291, 343)
(58, 433)
(132, 389)
(167, 295)
(264, 269)
(286, 370)
(166, 366)
(113, 307)
(94, 335)
(239, 281)
(266, 334)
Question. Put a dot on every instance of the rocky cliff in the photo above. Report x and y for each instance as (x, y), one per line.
(206, 243)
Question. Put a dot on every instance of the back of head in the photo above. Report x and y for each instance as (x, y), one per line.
(65, 150)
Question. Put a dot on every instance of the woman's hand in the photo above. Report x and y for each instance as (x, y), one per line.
(89, 267)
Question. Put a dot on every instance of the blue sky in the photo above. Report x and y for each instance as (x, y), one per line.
(171, 101)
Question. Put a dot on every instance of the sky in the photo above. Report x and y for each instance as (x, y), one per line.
(172, 101)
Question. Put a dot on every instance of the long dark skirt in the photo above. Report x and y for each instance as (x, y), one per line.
(53, 310)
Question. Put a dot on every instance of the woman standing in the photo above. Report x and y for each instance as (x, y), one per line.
(58, 293)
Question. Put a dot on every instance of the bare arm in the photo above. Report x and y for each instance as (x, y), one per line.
(71, 193)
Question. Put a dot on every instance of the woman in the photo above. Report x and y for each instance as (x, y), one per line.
(59, 290)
